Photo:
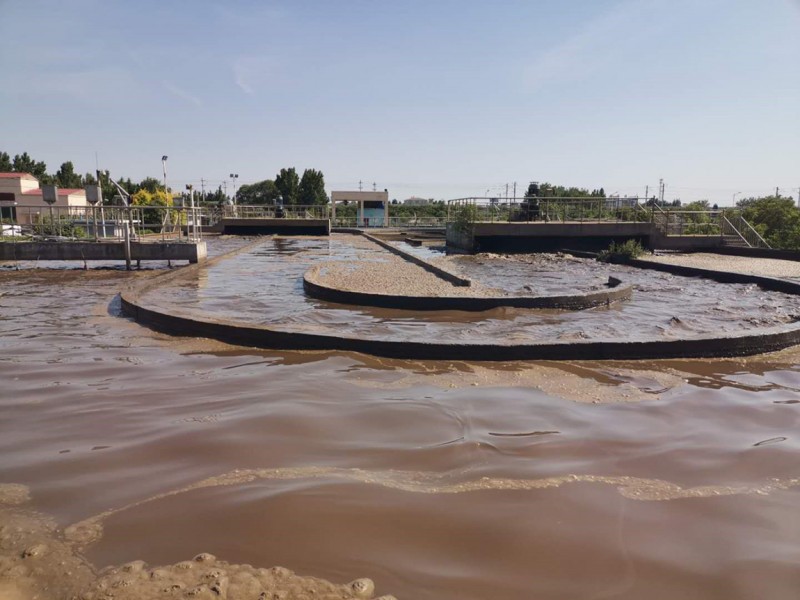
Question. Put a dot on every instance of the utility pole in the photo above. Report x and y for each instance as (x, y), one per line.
(360, 185)
(777, 192)
(515, 191)
(646, 192)
(661, 189)
(506, 192)
(374, 187)
(164, 167)
(234, 177)
(203, 188)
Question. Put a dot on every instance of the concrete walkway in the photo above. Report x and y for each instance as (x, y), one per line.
(766, 267)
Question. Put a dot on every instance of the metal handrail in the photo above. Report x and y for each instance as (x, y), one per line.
(105, 222)
(745, 231)
(762, 242)
(549, 208)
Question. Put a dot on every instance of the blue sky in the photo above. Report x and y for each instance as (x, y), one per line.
(429, 98)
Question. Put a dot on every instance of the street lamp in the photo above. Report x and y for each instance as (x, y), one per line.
(164, 167)
(234, 177)
(734, 197)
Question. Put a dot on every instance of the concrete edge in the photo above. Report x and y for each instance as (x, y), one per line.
(431, 268)
(318, 290)
(102, 250)
(774, 253)
(772, 284)
(744, 344)
(265, 337)
(134, 306)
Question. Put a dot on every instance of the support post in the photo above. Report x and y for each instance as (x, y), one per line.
(127, 233)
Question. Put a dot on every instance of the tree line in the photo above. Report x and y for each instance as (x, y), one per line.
(776, 218)
(287, 187)
(65, 177)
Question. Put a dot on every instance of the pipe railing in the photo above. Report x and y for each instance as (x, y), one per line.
(100, 223)
(669, 221)
(549, 209)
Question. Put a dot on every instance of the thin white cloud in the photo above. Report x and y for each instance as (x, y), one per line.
(181, 93)
(250, 73)
(594, 46)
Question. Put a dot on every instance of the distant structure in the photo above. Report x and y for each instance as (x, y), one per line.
(416, 201)
(21, 190)
(373, 207)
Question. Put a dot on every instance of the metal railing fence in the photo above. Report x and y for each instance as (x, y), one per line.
(735, 225)
(548, 209)
(99, 223)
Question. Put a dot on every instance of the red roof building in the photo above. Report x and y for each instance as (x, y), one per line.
(21, 195)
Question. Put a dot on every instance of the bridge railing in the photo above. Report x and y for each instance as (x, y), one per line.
(723, 222)
(736, 226)
(271, 211)
(548, 209)
(102, 222)
(420, 222)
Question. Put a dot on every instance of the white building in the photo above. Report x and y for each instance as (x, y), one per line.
(21, 198)
(373, 207)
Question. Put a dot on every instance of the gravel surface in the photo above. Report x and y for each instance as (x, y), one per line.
(390, 275)
(767, 267)
(393, 277)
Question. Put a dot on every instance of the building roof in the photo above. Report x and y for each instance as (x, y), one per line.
(61, 191)
(16, 176)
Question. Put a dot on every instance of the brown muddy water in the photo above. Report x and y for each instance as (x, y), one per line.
(663, 306)
(665, 479)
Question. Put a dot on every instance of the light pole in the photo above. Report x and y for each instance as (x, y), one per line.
(164, 168)
(234, 177)
(734, 197)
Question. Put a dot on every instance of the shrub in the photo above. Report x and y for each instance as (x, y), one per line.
(58, 227)
(621, 252)
(465, 217)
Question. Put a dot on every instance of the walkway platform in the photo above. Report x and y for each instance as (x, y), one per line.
(579, 235)
(193, 252)
(264, 226)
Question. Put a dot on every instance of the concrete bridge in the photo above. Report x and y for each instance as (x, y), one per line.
(578, 235)
(193, 252)
(547, 224)
(265, 226)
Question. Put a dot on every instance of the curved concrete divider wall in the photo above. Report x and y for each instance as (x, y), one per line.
(137, 307)
(265, 337)
(314, 288)
(772, 284)
(431, 268)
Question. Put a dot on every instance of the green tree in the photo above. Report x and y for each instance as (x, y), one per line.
(312, 188)
(698, 220)
(23, 163)
(66, 177)
(288, 184)
(151, 184)
(777, 219)
(159, 198)
(5, 163)
(261, 192)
